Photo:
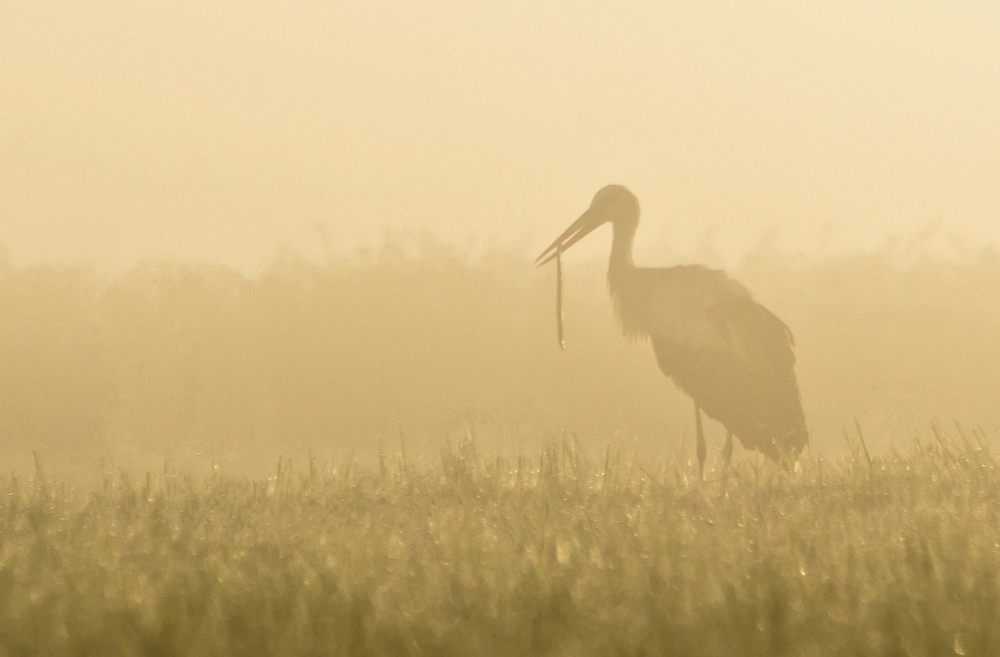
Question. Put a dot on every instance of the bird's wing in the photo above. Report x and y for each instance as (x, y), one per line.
(702, 309)
(681, 306)
(732, 355)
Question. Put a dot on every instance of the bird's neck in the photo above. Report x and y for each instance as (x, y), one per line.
(621, 263)
(624, 281)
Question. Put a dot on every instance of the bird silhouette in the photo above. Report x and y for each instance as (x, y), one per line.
(732, 355)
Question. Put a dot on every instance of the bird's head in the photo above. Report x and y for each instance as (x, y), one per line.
(614, 204)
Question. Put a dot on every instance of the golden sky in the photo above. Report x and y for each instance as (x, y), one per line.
(222, 130)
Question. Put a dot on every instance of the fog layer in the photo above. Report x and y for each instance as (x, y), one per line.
(383, 350)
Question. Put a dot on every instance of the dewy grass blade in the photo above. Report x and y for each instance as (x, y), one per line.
(559, 313)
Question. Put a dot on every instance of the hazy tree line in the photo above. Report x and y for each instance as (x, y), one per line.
(198, 362)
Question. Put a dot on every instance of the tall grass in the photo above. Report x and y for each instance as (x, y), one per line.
(559, 554)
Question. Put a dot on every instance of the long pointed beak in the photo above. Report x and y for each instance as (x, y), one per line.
(579, 229)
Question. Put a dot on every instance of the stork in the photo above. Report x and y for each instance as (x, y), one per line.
(732, 355)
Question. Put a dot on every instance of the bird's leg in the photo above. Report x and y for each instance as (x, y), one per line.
(701, 442)
(727, 451)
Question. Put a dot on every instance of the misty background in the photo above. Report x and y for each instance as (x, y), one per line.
(391, 351)
(236, 229)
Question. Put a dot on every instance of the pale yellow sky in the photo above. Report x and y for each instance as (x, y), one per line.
(221, 130)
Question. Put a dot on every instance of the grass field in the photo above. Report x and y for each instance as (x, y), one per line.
(561, 555)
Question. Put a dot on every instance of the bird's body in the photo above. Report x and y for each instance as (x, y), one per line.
(730, 354)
